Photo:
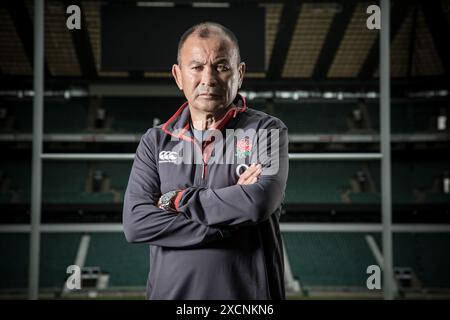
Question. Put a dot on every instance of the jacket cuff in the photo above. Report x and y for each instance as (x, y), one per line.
(177, 199)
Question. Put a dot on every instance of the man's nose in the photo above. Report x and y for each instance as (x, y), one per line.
(209, 77)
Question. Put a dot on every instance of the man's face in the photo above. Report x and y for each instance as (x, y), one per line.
(209, 74)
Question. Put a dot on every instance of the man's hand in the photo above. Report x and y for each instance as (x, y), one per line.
(250, 175)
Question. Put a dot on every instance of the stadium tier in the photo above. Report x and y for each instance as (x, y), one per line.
(76, 187)
(368, 139)
(312, 182)
(131, 115)
(136, 115)
(309, 182)
(326, 260)
(126, 265)
(410, 116)
(61, 116)
(313, 117)
(331, 259)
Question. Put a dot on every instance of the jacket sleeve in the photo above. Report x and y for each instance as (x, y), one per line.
(144, 222)
(238, 205)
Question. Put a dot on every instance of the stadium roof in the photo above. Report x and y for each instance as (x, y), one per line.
(308, 43)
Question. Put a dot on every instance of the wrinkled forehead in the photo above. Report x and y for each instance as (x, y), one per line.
(215, 46)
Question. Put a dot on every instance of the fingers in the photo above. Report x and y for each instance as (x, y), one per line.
(158, 204)
(250, 180)
(255, 174)
(250, 175)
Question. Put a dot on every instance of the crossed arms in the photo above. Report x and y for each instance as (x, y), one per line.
(203, 214)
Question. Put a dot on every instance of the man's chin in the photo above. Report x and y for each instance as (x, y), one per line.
(210, 106)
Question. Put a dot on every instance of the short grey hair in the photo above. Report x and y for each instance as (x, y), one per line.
(204, 30)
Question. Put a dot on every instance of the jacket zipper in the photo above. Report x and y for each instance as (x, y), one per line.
(204, 165)
(204, 171)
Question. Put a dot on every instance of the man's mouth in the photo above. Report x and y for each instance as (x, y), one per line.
(210, 96)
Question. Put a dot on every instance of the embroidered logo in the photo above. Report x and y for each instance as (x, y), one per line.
(243, 147)
(168, 156)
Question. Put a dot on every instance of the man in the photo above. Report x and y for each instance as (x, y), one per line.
(212, 226)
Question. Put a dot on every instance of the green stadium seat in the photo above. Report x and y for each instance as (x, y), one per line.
(135, 115)
(20, 175)
(96, 197)
(317, 259)
(437, 198)
(23, 114)
(410, 176)
(328, 259)
(127, 264)
(118, 172)
(409, 116)
(313, 117)
(64, 181)
(5, 197)
(14, 253)
(318, 182)
(60, 116)
(66, 116)
(365, 198)
(426, 253)
(58, 251)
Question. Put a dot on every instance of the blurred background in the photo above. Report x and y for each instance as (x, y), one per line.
(313, 64)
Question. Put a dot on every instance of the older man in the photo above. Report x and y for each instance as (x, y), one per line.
(212, 225)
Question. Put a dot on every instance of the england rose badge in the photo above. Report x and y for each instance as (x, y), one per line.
(243, 148)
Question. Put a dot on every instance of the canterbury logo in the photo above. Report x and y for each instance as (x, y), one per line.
(168, 156)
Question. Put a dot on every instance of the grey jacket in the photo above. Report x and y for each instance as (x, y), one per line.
(224, 241)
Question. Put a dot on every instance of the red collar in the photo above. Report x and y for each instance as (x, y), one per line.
(178, 124)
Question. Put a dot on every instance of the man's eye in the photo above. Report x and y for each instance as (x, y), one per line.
(197, 68)
(222, 67)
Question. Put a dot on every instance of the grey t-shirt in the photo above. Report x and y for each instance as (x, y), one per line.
(198, 134)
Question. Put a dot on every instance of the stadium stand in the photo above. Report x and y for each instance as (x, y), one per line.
(308, 117)
(144, 112)
(309, 182)
(324, 86)
(411, 116)
(319, 260)
(75, 114)
(328, 259)
(130, 270)
(16, 270)
(126, 265)
(337, 260)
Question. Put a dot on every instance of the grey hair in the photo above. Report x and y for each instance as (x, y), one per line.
(204, 30)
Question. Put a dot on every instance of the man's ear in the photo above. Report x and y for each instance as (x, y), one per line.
(241, 73)
(176, 72)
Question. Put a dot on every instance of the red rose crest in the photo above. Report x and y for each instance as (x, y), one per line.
(244, 148)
